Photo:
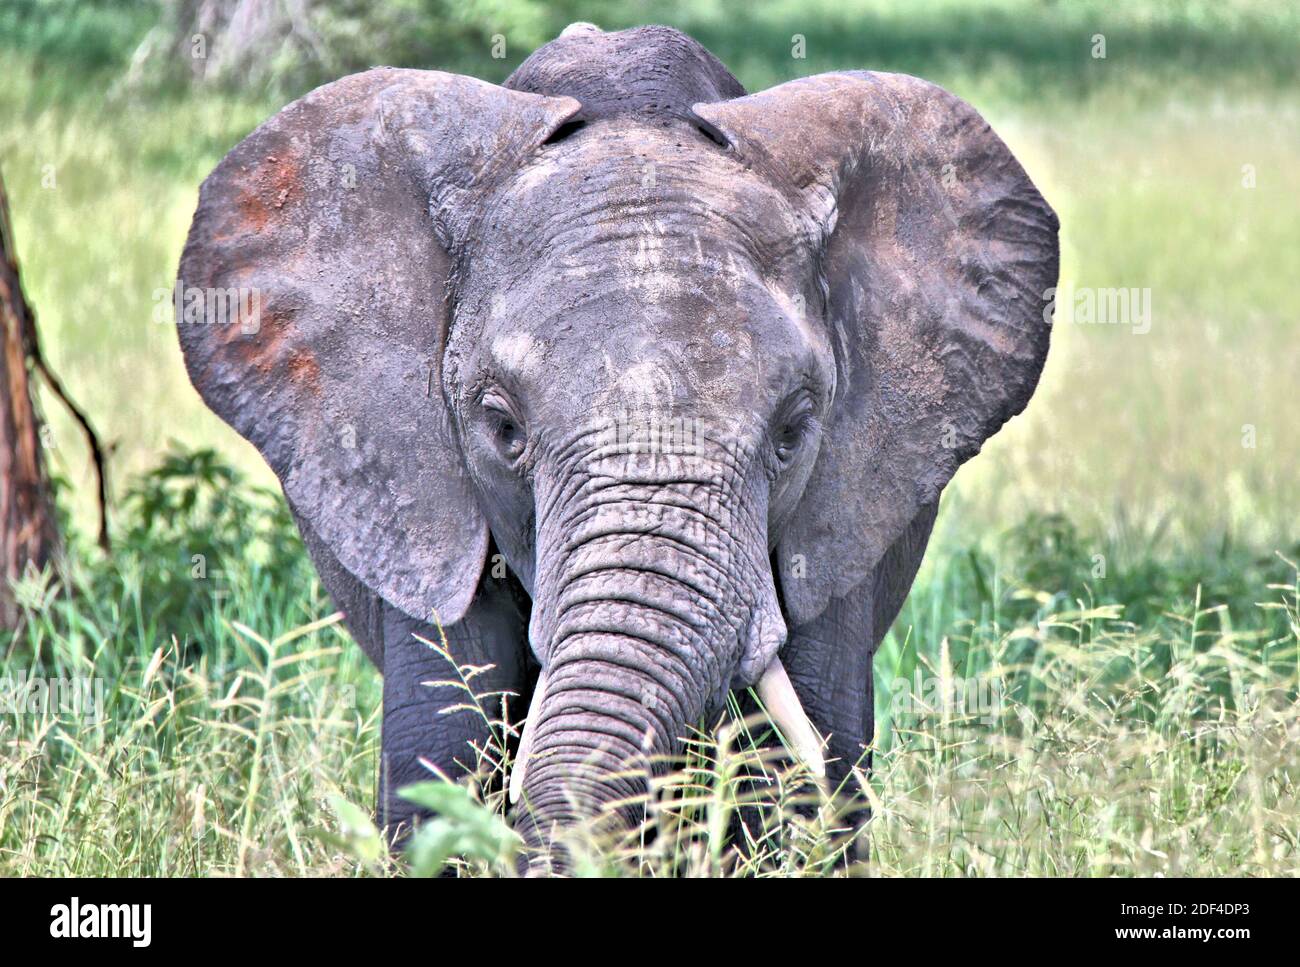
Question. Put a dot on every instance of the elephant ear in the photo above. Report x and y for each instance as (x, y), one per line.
(312, 312)
(938, 252)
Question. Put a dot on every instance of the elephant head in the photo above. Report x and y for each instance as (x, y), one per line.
(692, 360)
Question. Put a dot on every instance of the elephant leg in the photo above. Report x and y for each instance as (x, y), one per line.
(829, 664)
(829, 660)
(420, 740)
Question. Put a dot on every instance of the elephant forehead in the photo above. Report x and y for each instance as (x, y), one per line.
(618, 349)
(652, 286)
(719, 316)
(623, 197)
(630, 266)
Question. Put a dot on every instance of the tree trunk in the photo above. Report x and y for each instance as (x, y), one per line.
(28, 531)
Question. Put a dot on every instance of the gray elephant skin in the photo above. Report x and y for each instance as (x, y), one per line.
(639, 387)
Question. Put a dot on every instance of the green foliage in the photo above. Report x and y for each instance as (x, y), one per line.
(974, 609)
(357, 835)
(191, 534)
(1030, 45)
(88, 35)
(461, 827)
(193, 526)
(210, 745)
(1105, 748)
(1049, 552)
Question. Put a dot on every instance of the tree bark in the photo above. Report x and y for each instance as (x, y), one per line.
(28, 529)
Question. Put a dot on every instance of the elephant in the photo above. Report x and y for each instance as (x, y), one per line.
(640, 389)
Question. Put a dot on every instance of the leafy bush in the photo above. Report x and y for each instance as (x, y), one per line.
(192, 535)
(194, 527)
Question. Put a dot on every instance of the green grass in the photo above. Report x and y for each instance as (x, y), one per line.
(239, 727)
(1113, 568)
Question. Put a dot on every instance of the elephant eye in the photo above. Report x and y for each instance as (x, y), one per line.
(789, 437)
(791, 433)
(787, 441)
(507, 431)
(509, 436)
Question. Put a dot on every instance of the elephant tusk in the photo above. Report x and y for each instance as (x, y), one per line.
(787, 714)
(526, 739)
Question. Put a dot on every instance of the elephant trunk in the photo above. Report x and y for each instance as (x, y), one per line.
(654, 595)
(601, 728)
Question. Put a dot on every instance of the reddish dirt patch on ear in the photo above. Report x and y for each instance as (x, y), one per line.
(304, 371)
(266, 188)
(260, 350)
(268, 352)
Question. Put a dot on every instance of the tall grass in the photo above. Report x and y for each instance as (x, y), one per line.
(207, 731)
(1019, 731)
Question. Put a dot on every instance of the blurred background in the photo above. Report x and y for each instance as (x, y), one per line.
(1156, 472)
(1164, 133)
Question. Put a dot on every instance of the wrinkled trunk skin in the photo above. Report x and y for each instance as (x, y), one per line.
(652, 584)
